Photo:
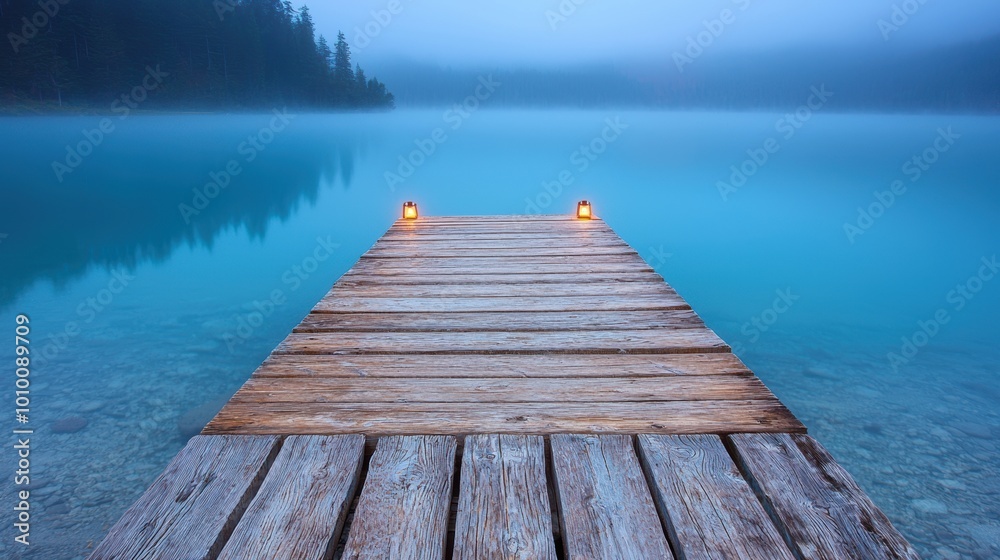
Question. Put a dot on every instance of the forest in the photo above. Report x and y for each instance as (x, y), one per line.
(176, 54)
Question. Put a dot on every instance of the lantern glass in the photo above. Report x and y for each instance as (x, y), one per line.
(583, 210)
(409, 211)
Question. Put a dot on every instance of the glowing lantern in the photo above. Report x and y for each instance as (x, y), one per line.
(409, 211)
(583, 210)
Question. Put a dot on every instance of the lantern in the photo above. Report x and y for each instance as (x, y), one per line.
(409, 211)
(583, 210)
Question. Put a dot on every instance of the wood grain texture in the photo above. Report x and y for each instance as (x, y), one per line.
(815, 502)
(193, 506)
(399, 277)
(299, 511)
(504, 390)
(677, 341)
(586, 289)
(501, 365)
(505, 322)
(596, 236)
(377, 269)
(604, 503)
(530, 263)
(709, 509)
(359, 304)
(497, 252)
(683, 417)
(403, 508)
(477, 244)
(503, 507)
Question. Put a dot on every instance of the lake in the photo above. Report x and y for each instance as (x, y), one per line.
(849, 259)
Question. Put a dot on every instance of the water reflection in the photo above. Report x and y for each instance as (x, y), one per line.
(164, 182)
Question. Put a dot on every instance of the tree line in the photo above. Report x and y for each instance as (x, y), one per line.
(214, 54)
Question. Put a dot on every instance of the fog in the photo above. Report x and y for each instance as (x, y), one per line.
(462, 33)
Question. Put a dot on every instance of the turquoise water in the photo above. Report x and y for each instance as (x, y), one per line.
(148, 300)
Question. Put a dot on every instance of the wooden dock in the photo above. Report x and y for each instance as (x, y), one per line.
(507, 387)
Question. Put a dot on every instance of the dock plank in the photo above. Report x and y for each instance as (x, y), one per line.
(682, 417)
(818, 505)
(300, 509)
(403, 508)
(605, 506)
(499, 252)
(498, 304)
(709, 509)
(503, 507)
(678, 341)
(504, 390)
(490, 243)
(357, 279)
(503, 264)
(501, 365)
(191, 509)
(586, 289)
(501, 321)
(376, 269)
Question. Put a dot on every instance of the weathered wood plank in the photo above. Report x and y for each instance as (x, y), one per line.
(504, 390)
(398, 278)
(503, 290)
(501, 365)
(403, 509)
(681, 417)
(452, 267)
(396, 236)
(426, 244)
(300, 509)
(815, 502)
(496, 252)
(508, 322)
(501, 264)
(503, 507)
(192, 507)
(359, 304)
(709, 510)
(604, 502)
(676, 341)
(565, 228)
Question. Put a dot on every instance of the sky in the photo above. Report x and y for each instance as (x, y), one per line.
(557, 32)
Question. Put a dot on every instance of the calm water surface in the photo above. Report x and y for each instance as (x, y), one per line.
(145, 284)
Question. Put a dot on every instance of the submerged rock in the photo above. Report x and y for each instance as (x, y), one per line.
(69, 425)
(973, 429)
(90, 406)
(928, 505)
